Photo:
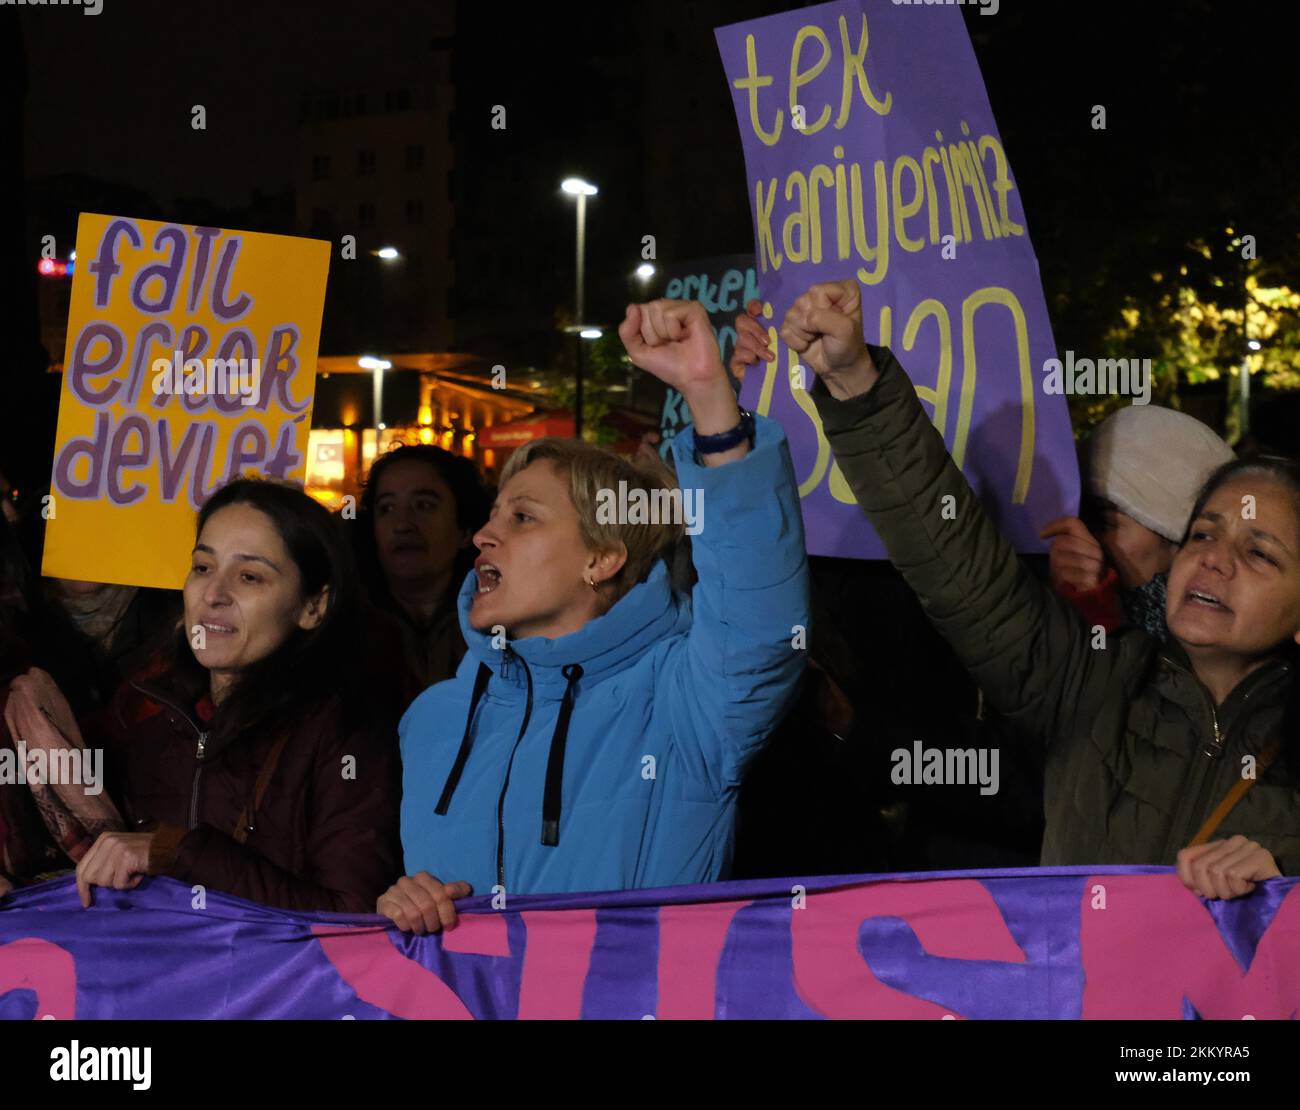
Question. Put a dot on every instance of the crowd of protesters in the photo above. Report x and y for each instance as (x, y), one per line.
(467, 690)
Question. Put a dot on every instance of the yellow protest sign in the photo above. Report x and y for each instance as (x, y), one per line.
(191, 359)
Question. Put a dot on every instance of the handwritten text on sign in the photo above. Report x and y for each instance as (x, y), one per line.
(192, 355)
(872, 153)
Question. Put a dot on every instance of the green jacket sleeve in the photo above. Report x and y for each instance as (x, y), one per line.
(1026, 648)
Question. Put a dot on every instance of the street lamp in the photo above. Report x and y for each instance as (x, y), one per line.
(378, 366)
(580, 189)
(645, 271)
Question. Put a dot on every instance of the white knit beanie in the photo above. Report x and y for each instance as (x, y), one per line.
(1150, 463)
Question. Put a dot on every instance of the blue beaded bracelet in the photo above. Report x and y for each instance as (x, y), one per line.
(725, 441)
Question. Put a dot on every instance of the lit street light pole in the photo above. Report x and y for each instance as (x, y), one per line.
(576, 187)
(377, 366)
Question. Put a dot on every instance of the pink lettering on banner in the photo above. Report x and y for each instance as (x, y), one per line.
(1154, 944)
(38, 965)
(382, 977)
(478, 934)
(954, 918)
(557, 958)
(691, 939)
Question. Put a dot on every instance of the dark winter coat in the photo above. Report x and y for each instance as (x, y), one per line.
(324, 835)
(1138, 754)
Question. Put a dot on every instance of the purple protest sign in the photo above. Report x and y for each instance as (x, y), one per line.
(871, 152)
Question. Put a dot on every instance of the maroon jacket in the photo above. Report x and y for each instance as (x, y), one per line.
(324, 835)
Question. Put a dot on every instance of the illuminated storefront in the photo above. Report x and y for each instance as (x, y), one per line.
(422, 398)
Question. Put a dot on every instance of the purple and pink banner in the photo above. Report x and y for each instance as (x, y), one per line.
(1034, 943)
(871, 152)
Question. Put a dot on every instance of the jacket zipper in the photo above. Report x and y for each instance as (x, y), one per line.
(198, 754)
(1213, 751)
(501, 800)
(198, 775)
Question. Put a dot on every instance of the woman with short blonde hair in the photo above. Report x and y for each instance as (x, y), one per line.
(600, 725)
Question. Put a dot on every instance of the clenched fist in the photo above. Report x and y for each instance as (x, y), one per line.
(673, 341)
(824, 326)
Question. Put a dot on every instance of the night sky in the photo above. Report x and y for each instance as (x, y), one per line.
(1200, 99)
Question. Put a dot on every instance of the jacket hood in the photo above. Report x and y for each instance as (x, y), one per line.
(603, 646)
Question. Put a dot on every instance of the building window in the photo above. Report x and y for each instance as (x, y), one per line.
(365, 162)
(414, 156)
(366, 215)
(415, 211)
(320, 167)
(403, 99)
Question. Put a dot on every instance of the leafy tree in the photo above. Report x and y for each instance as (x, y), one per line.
(604, 363)
(1200, 321)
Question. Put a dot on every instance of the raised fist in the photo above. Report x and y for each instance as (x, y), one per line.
(824, 326)
(674, 342)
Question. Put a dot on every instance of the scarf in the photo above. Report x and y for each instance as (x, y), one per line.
(38, 715)
(1144, 607)
(97, 615)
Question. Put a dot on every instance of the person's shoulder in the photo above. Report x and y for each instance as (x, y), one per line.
(432, 703)
(146, 690)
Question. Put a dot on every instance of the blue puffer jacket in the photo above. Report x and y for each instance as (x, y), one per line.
(610, 758)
